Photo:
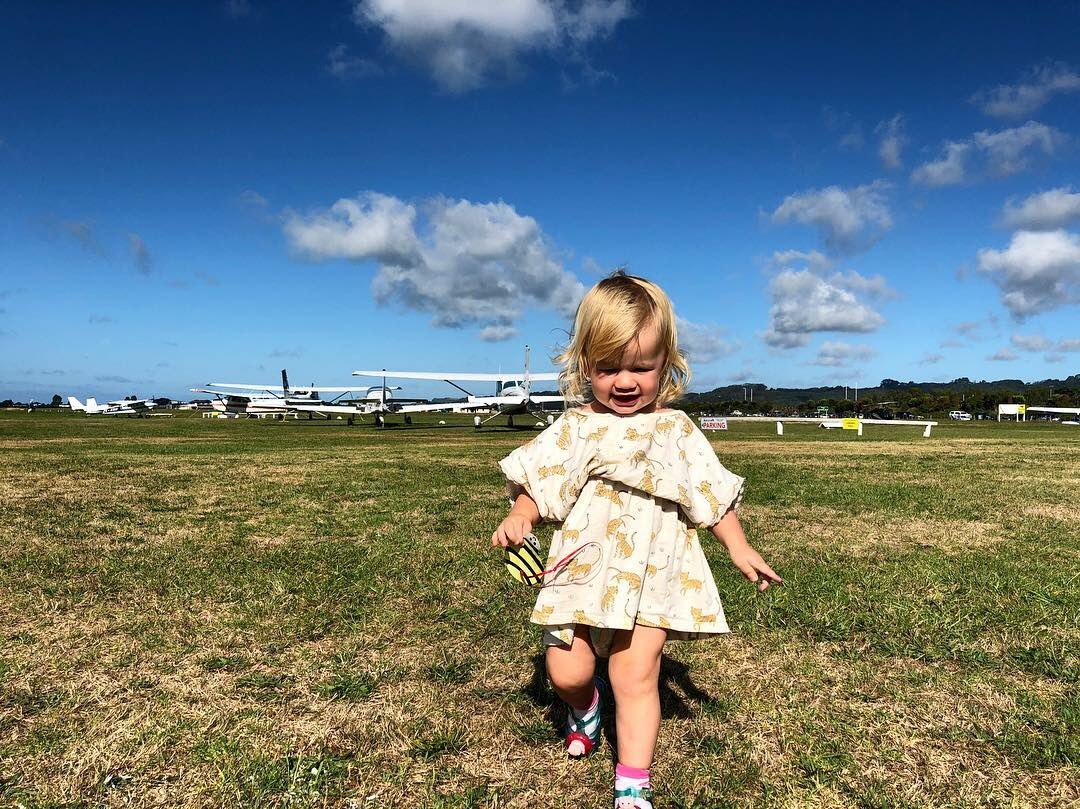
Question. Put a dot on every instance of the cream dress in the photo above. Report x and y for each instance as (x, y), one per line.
(638, 487)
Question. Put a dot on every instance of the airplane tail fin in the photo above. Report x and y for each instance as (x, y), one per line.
(76, 405)
(285, 383)
(91, 404)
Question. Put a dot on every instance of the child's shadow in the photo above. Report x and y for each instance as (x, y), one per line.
(678, 695)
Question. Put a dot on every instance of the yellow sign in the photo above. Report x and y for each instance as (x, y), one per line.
(850, 424)
(1021, 408)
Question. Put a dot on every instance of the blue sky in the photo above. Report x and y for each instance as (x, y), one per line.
(831, 194)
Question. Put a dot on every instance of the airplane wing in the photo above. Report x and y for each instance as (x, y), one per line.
(127, 406)
(224, 393)
(1037, 409)
(460, 377)
(277, 387)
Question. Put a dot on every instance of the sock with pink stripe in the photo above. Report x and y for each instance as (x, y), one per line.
(637, 781)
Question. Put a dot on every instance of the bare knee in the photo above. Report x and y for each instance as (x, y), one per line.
(569, 672)
(634, 677)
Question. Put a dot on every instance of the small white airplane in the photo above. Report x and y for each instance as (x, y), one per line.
(120, 407)
(1072, 411)
(513, 394)
(236, 398)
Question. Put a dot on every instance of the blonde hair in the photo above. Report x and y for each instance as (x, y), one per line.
(609, 318)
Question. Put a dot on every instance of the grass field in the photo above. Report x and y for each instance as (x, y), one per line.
(209, 613)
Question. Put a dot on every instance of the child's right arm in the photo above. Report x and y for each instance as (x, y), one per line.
(520, 521)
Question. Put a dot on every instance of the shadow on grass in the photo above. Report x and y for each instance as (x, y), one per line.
(679, 696)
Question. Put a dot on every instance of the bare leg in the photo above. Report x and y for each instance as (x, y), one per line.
(571, 669)
(634, 669)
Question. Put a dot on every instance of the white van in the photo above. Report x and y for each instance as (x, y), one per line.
(959, 415)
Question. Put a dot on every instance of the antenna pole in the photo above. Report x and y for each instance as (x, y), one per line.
(526, 381)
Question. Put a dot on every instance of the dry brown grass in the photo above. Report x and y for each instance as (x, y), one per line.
(121, 691)
(873, 532)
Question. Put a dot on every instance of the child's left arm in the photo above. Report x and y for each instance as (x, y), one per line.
(743, 556)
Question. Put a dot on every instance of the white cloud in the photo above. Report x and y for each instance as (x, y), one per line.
(812, 259)
(1003, 355)
(1046, 211)
(931, 359)
(804, 303)
(948, 170)
(968, 328)
(1006, 150)
(703, 343)
(470, 263)
(847, 220)
(496, 334)
(892, 140)
(999, 154)
(1068, 345)
(875, 286)
(1031, 342)
(464, 43)
(140, 254)
(372, 226)
(341, 65)
(1024, 98)
(842, 354)
(1037, 272)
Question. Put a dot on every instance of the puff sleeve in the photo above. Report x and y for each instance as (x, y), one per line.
(552, 468)
(676, 462)
(712, 489)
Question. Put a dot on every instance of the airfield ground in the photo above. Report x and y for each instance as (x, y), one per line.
(211, 613)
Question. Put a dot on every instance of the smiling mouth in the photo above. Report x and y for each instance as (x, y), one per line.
(624, 398)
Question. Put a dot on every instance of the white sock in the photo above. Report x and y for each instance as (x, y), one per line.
(631, 777)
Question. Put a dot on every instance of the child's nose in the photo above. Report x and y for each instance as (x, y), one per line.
(624, 379)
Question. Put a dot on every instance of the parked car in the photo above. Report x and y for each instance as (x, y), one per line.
(959, 415)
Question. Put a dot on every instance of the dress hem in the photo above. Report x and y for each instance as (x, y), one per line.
(676, 629)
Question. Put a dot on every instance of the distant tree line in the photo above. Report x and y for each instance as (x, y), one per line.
(890, 398)
(58, 401)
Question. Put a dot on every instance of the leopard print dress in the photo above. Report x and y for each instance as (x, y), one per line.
(631, 493)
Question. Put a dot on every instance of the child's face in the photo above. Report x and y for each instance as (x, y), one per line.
(632, 384)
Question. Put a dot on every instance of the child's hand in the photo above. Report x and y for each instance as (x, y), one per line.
(751, 565)
(512, 531)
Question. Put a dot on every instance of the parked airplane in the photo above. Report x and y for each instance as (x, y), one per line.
(121, 407)
(1073, 411)
(238, 398)
(513, 394)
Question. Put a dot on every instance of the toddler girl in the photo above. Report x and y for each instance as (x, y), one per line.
(632, 481)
